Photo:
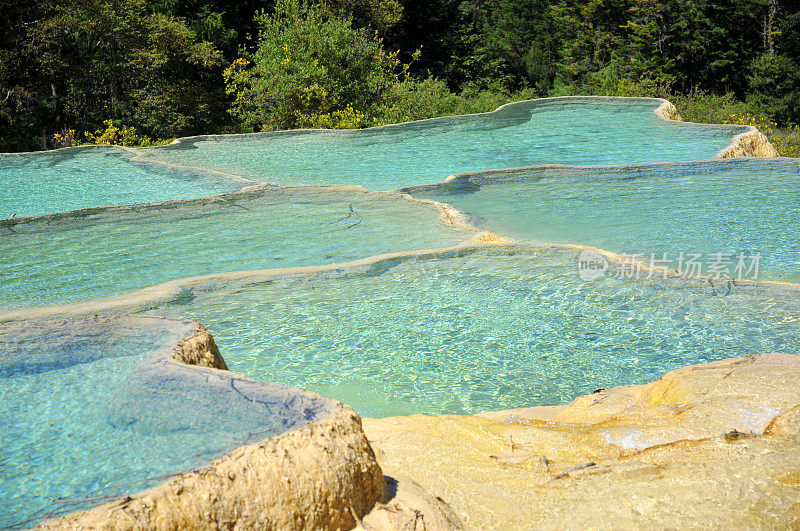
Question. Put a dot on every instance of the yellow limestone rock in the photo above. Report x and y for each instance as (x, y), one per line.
(199, 349)
(322, 476)
(713, 445)
(667, 111)
(491, 238)
(749, 144)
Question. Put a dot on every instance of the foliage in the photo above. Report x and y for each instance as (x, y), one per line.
(312, 68)
(157, 65)
(410, 100)
(93, 60)
(376, 14)
(112, 133)
(786, 141)
(704, 107)
(775, 85)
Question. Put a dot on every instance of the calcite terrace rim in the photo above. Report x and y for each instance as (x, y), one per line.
(210, 199)
(482, 240)
(474, 237)
(663, 111)
(659, 110)
(133, 158)
(197, 352)
(456, 218)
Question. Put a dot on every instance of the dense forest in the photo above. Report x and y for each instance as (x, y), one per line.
(139, 72)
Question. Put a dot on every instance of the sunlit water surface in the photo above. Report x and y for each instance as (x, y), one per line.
(62, 259)
(69, 179)
(570, 131)
(91, 411)
(481, 331)
(460, 333)
(716, 211)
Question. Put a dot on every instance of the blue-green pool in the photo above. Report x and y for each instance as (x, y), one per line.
(91, 409)
(569, 131)
(717, 210)
(477, 331)
(88, 411)
(69, 179)
(67, 258)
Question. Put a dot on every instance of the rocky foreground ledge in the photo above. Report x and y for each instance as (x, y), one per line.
(711, 445)
(317, 472)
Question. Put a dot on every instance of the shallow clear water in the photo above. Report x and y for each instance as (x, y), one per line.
(85, 409)
(743, 206)
(481, 331)
(61, 259)
(88, 412)
(522, 134)
(58, 181)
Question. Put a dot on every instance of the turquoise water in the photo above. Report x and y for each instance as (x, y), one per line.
(61, 259)
(42, 183)
(481, 331)
(90, 409)
(743, 206)
(521, 134)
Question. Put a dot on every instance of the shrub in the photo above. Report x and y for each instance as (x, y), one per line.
(312, 68)
(112, 133)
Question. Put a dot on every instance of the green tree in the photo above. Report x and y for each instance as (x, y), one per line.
(373, 14)
(693, 43)
(24, 110)
(515, 45)
(314, 69)
(81, 62)
(590, 35)
(775, 87)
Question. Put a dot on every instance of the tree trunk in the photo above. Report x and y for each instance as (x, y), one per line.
(58, 106)
(769, 27)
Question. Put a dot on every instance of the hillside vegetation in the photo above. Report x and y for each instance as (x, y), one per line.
(140, 72)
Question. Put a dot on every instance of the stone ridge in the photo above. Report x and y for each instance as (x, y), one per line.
(749, 144)
(199, 349)
(321, 476)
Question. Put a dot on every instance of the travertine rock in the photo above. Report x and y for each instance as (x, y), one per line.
(694, 402)
(684, 451)
(409, 506)
(667, 111)
(199, 349)
(322, 476)
(749, 144)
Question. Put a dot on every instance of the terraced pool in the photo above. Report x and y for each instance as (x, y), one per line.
(93, 408)
(68, 258)
(461, 327)
(734, 207)
(560, 131)
(478, 331)
(69, 179)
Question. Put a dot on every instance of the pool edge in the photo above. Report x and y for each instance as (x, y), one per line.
(321, 475)
(713, 444)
